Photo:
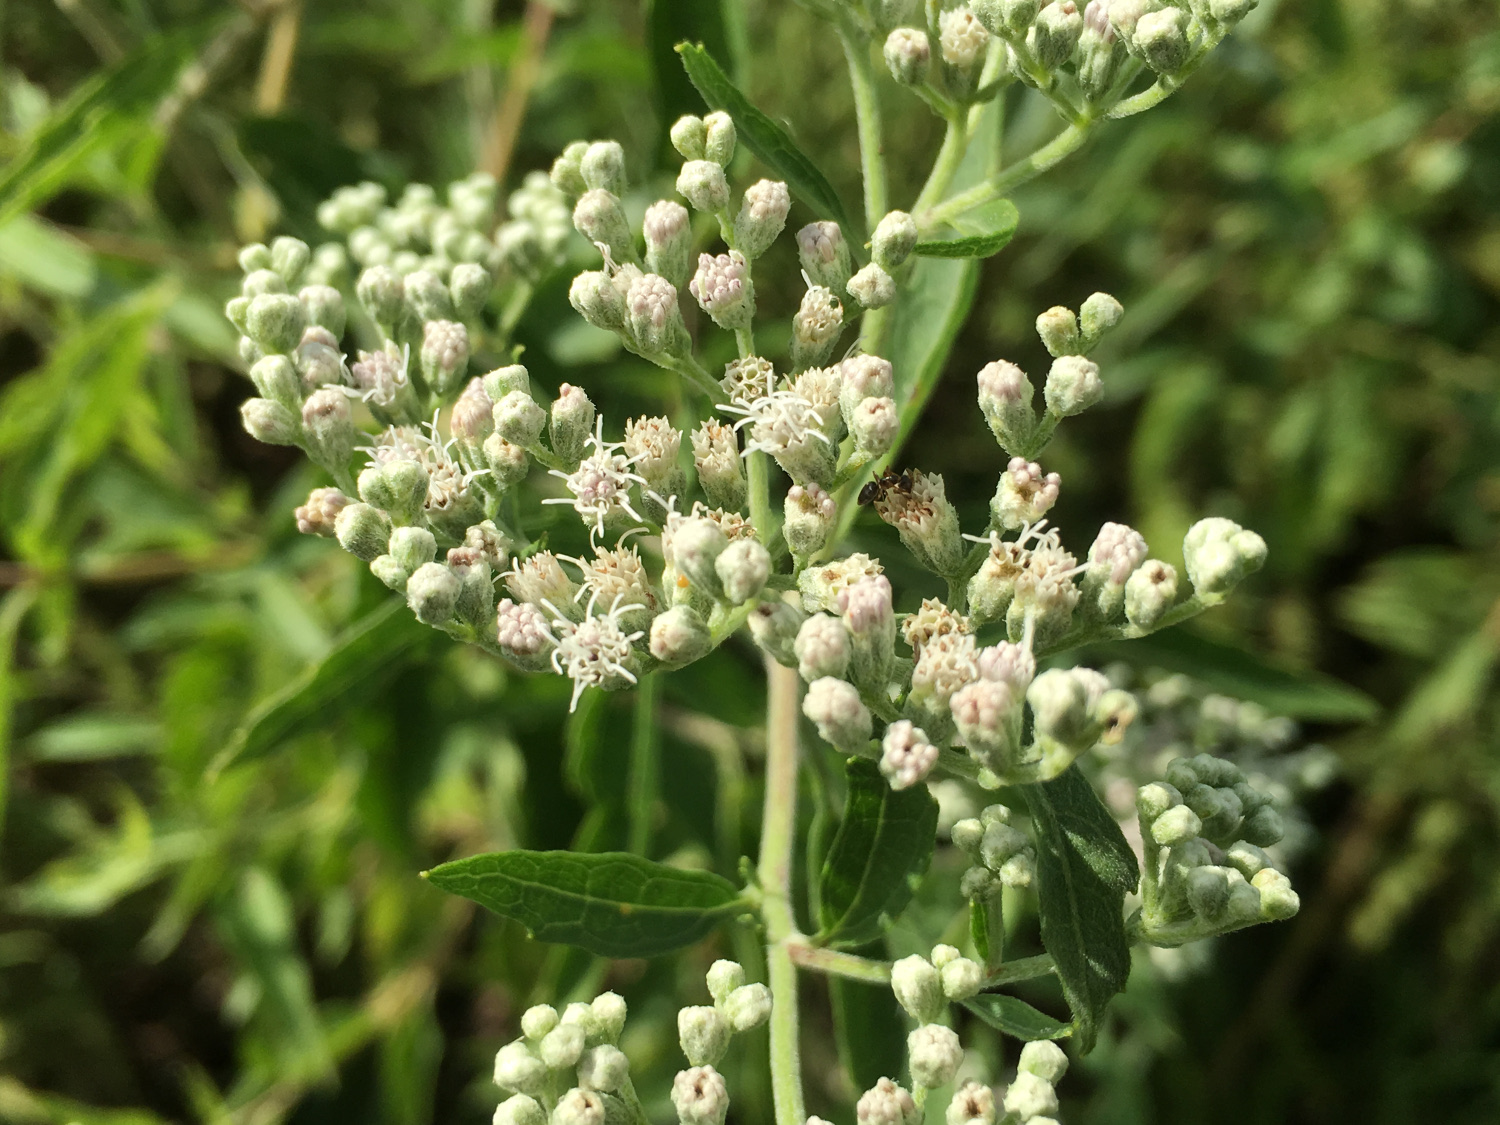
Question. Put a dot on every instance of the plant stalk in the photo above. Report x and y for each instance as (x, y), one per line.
(642, 778)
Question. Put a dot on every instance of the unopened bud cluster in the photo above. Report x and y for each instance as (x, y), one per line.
(567, 1067)
(1000, 854)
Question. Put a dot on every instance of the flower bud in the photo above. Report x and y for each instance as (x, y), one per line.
(1054, 35)
(1045, 1059)
(918, 988)
(270, 422)
(261, 281)
(1024, 495)
(412, 548)
(1230, 11)
(518, 1109)
(1030, 1096)
(363, 531)
(689, 135)
(696, 546)
(469, 287)
(723, 290)
(962, 38)
(522, 632)
(382, 292)
(702, 184)
(580, 1107)
(906, 755)
(1099, 314)
(894, 239)
(743, 568)
(841, 717)
(516, 1068)
(866, 609)
(275, 321)
(1149, 593)
(254, 257)
(1219, 553)
(700, 1097)
(1116, 552)
(1058, 328)
(519, 420)
(1177, 825)
(962, 978)
(325, 308)
(537, 1020)
(572, 420)
(604, 1067)
(822, 648)
(1263, 827)
(886, 1103)
(603, 167)
(1064, 706)
(816, 327)
(1154, 799)
(824, 255)
(748, 1006)
(1161, 38)
(908, 55)
(317, 359)
(275, 377)
(762, 217)
(669, 241)
(317, 516)
(596, 299)
(432, 593)
(774, 626)
(654, 318)
(1005, 396)
(716, 458)
(972, 1104)
(329, 428)
(563, 1046)
(599, 217)
(679, 636)
(567, 170)
(427, 296)
(718, 139)
(237, 310)
(875, 426)
(289, 258)
(1278, 901)
(872, 287)
(934, 1054)
(476, 586)
(723, 978)
(1072, 386)
(809, 513)
(1099, 56)
(398, 487)
(607, 1013)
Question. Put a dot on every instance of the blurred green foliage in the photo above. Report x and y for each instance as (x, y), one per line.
(1307, 241)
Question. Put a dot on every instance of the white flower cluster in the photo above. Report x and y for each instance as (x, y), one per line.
(699, 1093)
(1001, 854)
(566, 1068)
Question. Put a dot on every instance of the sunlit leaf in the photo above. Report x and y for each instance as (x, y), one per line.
(981, 232)
(1015, 1017)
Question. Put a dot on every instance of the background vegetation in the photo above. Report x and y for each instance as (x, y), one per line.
(1307, 243)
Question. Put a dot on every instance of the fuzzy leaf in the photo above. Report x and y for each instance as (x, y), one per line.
(879, 855)
(611, 903)
(1084, 869)
(1015, 1017)
(766, 139)
(984, 231)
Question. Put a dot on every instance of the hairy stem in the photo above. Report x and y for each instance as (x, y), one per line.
(867, 119)
(777, 843)
(837, 964)
(758, 472)
(945, 167)
(642, 777)
(1054, 151)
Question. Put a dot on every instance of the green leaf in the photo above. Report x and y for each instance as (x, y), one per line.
(766, 139)
(371, 650)
(869, 1026)
(1084, 869)
(1233, 671)
(91, 736)
(1015, 1017)
(984, 231)
(878, 857)
(40, 255)
(610, 903)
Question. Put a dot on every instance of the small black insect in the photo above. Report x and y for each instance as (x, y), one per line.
(890, 479)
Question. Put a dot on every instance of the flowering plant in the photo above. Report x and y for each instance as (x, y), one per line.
(964, 694)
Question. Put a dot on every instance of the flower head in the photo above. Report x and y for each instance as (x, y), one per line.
(601, 484)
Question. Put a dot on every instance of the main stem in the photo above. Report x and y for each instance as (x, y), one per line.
(871, 158)
(777, 839)
(642, 777)
(1055, 150)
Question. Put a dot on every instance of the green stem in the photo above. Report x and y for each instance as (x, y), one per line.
(758, 470)
(744, 339)
(1027, 968)
(642, 777)
(1053, 152)
(777, 840)
(837, 964)
(867, 121)
(945, 167)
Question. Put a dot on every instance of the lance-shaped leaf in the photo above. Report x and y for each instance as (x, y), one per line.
(880, 854)
(766, 139)
(978, 234)
(1015, 1017)
(610, 903)
(1084, 869)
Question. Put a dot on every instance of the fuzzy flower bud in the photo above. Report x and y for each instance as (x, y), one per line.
(875, 425)
(748, 1006)
(567, 169)
(872, 287)
(603, 167)
(328, 427)
(723, 978)
(918, 988)
(1045, 1059)
(325, 307)
(469, 286)
(886, 1103)
(679, 636)
(906, 757)
(1005, 396)
(427, 296)
(774, 625)
(702, 184)
(689, 135)
(962, 978)
(607, 1015)
(275, 377)
(809, 513)
(597, 300)
(599, 217)
(696, 546)
(269, 421)
(816, 327)
(516, 1068)
(863, 377)
(363, 531)
(399, 487)
(703, 1033)
(716, 457)
(935, 1054)
(700, 1096)
(572, 421)
(985, 713)
(1054, 35)
(972, 1104)
(382, 292)
(743, 568)
(824, 255)
(1030, 1096)
(1064, 706)
(445, 355)
(822, 648)
(1025, 494)
(908, 55)
(1058, 328)
(723, 290)
(962, 37)
(537, 1020)
(1072, 385)
(1116, 552)
(1099, 314)
(762, 217)
(654, 318)
(317, 516)
(1219, 553)
(1161, 38)
(432, 593)
(412, 547)
(275, 321)
(604, 1067)
(580, 1107)
(669, 240)
(865, 605)
(519, 420)
(841, 717)
(718, 138)
(893, 240)
(519, 1109)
